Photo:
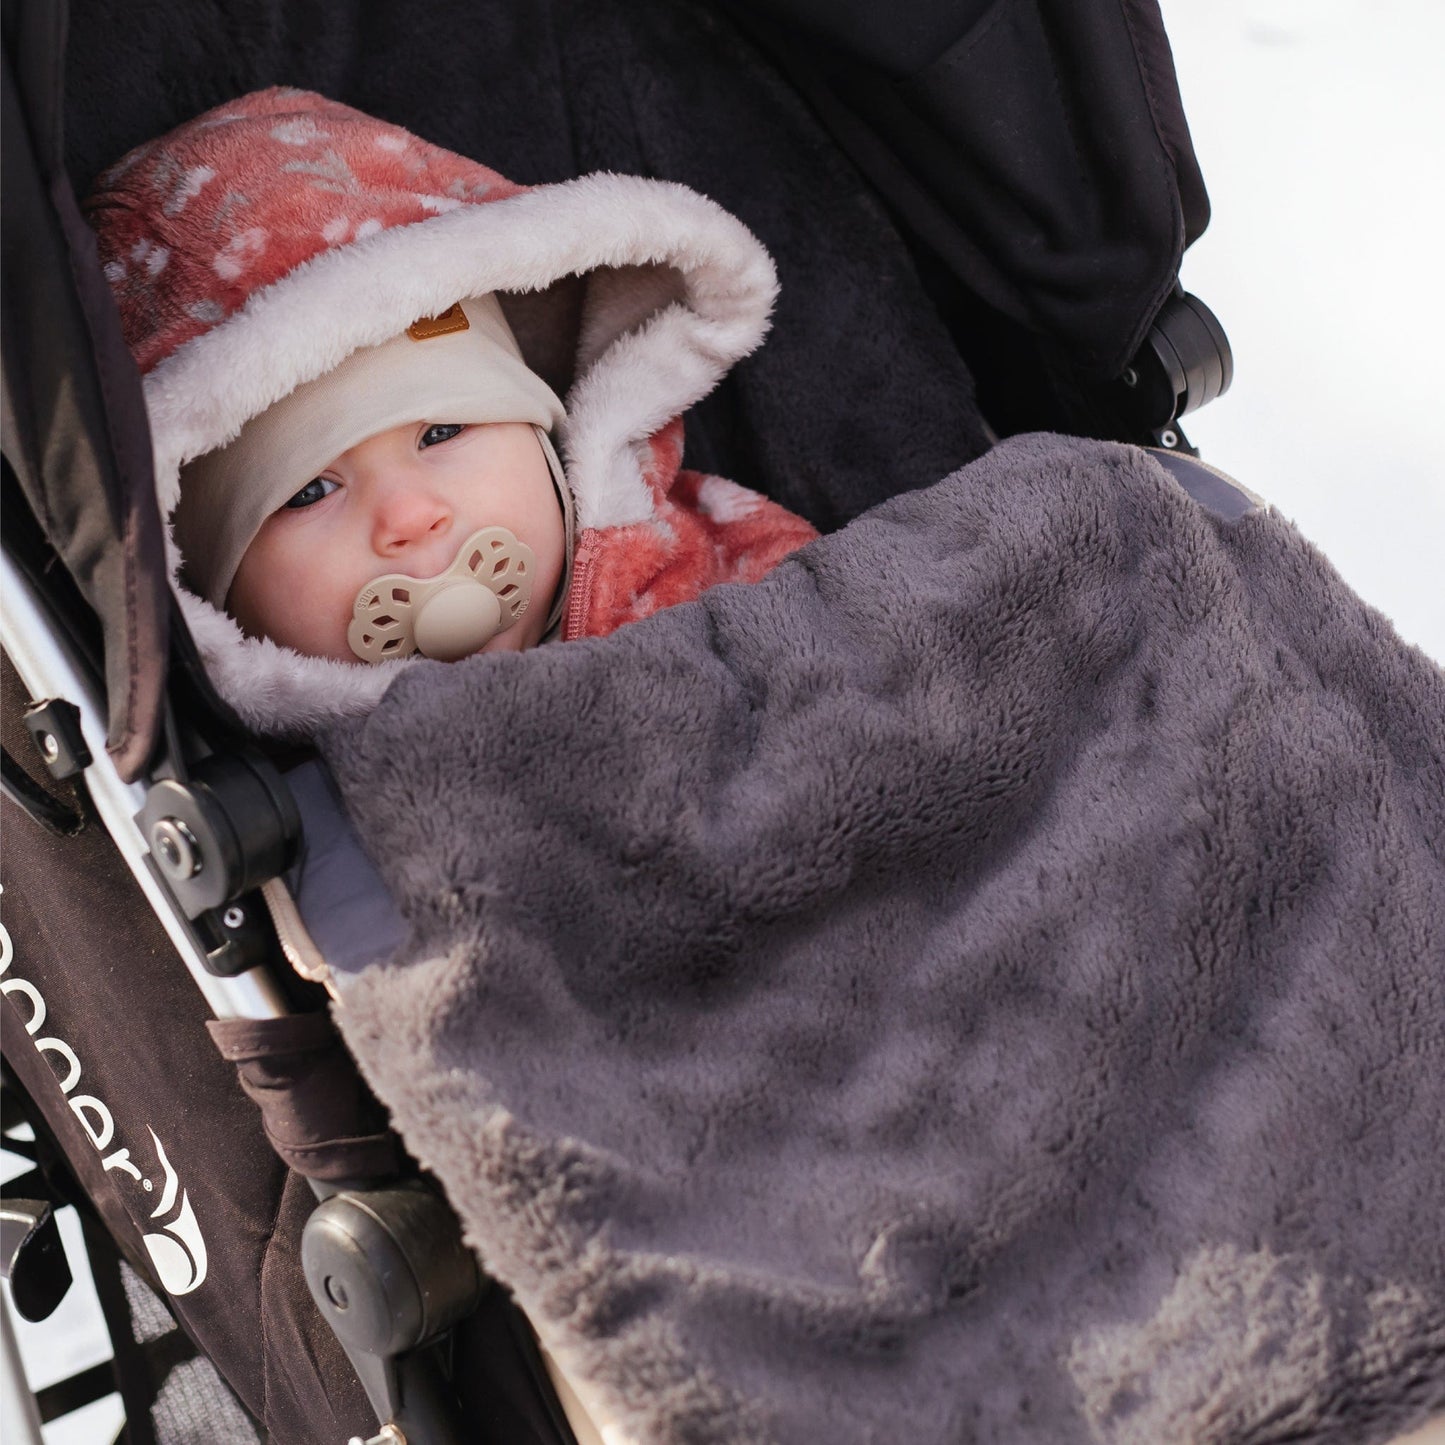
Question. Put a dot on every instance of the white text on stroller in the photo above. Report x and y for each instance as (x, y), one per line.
(179, 1254)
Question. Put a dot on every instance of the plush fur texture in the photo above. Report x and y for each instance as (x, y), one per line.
(986, 981)
(256, 247)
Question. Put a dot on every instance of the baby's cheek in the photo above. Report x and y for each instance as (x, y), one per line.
(290, 594)
(323, 612)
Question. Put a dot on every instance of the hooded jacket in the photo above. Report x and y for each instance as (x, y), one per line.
(254, 248)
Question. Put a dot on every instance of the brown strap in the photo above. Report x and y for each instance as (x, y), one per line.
(318, 1114)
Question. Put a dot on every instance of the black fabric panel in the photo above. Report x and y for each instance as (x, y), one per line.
(507, 1396)
(859, 391)
(120, 1000)
(118, 997)
(75, 429)
(899, 39)
(1042, 154)
(1166, 105)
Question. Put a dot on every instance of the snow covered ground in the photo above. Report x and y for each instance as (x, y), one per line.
(1320, 128)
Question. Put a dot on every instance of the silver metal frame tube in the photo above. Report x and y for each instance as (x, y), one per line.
(49, 668)
(19, 1419)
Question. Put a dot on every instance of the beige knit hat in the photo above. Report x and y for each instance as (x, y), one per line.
(462, 366)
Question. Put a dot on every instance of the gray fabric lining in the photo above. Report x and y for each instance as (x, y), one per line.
(346, 908)
(985, 982)
(1211, 489)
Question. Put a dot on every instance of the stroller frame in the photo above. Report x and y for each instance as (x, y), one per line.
(384, 1263)
(359, 1243)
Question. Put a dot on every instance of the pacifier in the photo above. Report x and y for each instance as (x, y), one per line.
(449, 616)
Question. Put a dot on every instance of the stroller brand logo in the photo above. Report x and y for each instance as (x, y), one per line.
(177, 1250)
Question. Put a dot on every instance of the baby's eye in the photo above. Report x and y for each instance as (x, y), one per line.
(313, 492)
(441, 432)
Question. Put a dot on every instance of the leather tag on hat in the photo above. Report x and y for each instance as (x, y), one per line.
(452, 319)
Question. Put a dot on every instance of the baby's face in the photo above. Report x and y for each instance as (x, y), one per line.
(402, 501)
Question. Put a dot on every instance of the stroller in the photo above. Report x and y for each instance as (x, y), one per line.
(165, 875)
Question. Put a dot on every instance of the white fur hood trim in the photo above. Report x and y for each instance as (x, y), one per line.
(653, 342)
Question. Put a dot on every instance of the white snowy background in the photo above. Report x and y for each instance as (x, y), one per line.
(1320, 128)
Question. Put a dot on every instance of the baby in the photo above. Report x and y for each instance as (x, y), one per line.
(353, 344)
(389, 465)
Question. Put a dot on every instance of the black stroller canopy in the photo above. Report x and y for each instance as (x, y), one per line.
(1039, 150)
(75, 433)
(1035, 157)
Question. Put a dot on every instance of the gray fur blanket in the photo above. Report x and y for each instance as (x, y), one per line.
(984, 983)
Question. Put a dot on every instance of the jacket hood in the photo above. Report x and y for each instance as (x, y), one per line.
(254, 248)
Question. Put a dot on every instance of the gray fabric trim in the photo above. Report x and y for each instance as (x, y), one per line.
(1214, 491)
(340, 896)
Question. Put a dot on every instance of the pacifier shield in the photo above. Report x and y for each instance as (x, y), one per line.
(486, 589)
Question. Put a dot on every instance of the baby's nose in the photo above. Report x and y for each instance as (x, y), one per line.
(406, 515)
